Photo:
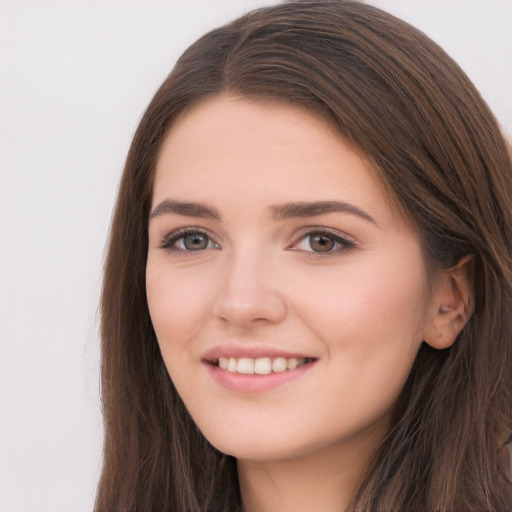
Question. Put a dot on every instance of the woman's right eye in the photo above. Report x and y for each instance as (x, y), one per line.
(189, 241)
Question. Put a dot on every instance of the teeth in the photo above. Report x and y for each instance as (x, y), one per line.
(279, 365)
(260, 365)
(232, 365)
(291, 364)
(245, 365)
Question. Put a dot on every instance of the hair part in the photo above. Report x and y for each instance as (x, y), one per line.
(398, 98)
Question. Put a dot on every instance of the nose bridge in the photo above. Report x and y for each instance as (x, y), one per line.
(249, 291)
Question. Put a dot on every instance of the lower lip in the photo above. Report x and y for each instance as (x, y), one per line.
(255, 383)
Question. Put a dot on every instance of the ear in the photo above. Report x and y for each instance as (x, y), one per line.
(451, 304)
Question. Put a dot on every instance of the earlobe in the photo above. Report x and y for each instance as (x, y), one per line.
(451, 304)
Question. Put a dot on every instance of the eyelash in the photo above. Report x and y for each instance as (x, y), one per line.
(168, 243)
(342, 245)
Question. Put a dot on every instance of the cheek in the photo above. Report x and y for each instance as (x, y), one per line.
(370, 326)
(371, 323)
(376, 300)
(177, 305)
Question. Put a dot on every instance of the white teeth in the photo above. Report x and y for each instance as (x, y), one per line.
(292, 363)
(245, 365)
(232, 365)
(279, 365)
(260, 365)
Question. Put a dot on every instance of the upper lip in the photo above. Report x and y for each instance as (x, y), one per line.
(252, 351)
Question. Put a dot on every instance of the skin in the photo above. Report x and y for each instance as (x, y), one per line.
(361, 310)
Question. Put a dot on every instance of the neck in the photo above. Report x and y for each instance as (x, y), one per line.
(324, 481)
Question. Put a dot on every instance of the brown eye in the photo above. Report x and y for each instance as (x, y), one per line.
(321, 243)
(195, 242)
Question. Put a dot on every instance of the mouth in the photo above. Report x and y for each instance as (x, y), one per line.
(260, 365)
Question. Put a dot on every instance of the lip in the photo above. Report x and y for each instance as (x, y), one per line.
(232, 350)
(253, 383)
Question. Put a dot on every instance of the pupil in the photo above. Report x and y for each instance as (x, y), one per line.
(195, 242)
(321, 243)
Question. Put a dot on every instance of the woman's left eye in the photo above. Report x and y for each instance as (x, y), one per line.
(323, 242)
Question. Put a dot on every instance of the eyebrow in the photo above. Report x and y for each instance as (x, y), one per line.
(185, 208)
(311, 209)
(279, 212)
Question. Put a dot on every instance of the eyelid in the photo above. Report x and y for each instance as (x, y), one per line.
(344, 241)
(347, 242)
(175, 235)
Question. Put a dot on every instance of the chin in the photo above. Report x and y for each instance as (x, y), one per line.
(272, 444)
(293, 438)
(263, 451)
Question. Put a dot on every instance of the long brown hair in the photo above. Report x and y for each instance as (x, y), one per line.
(440, 154)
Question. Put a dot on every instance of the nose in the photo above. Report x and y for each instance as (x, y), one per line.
(250, 293)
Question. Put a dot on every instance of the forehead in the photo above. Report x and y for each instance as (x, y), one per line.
(225, 122)
(249, 152)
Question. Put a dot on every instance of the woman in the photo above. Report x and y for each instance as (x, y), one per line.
(308, 285)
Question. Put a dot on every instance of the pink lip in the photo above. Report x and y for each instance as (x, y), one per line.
(255, 383)
(252, 383)
(234, 350)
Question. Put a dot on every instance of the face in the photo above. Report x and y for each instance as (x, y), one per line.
(287, 295)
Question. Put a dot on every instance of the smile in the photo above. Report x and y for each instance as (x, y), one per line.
(260, 365)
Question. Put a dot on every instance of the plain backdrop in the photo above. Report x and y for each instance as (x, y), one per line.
(75, 77)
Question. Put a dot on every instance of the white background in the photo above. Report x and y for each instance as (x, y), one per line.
(75, 77)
